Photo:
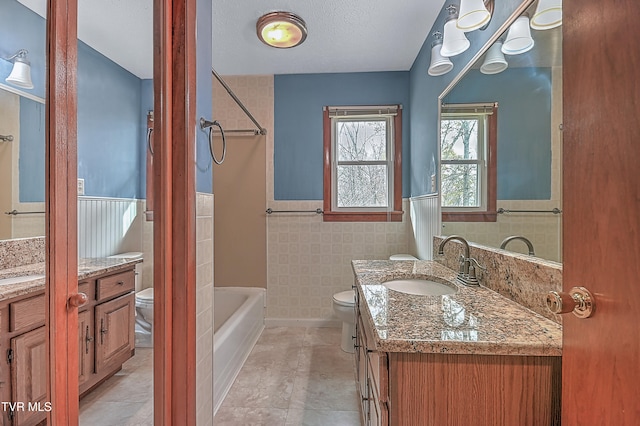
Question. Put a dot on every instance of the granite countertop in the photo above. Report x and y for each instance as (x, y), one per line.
(474, 320)
(87, 268)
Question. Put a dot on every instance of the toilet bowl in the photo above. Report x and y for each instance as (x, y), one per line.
(144, 318)
(344, 307)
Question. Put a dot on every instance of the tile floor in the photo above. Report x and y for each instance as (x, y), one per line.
(294, 376)
(125, 399)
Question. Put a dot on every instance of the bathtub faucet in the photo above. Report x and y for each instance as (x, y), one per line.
(468, 265)
(521, 238)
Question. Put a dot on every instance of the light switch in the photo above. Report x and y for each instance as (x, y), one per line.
(80, 186)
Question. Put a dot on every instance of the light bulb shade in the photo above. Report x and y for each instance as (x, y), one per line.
(440, 65)
(454, 41)
(548, 15)
(494, 61)
(20, 74)
(518, 38)
(473, 14)
(281, 29)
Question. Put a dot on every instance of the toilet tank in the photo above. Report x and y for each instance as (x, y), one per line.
(132, 255)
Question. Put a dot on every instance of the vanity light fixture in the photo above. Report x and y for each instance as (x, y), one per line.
(440, 65)
(454, 41)
(518, 37)
(474, 14)
(281, 29)
(21, 73)
(494, 61)
(548, 15)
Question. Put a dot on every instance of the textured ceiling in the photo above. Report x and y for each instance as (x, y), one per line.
(344, 36)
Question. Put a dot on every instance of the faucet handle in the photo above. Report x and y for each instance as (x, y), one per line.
(473, 262)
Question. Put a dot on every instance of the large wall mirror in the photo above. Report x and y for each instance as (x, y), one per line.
(527, 88)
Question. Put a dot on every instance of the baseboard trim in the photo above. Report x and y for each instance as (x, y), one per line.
(302, 322)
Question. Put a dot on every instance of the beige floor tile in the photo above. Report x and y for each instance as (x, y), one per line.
(324, 391)
(104, 413)
(322, 418)
(323, 336)
(329, 359)
(236, 416)
(261, 387)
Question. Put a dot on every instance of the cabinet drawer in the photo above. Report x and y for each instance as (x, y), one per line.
(115, 285)
(26, 313)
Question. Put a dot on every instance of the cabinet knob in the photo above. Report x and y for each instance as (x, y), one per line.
(578, 300)
(77, 300)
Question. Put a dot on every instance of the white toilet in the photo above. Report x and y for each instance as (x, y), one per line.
(144, 304)
(344, 306)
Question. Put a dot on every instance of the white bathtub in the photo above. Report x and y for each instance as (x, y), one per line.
(238, 319)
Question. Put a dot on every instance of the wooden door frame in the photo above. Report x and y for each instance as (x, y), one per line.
(174, 187)
(61, 211)
(174, 224)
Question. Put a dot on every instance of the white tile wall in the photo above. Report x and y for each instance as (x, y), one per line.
(204, 309)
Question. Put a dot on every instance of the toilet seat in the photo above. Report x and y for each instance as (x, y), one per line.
(345, 298)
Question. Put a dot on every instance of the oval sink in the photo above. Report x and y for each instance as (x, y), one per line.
(420, 287)
(23, 278)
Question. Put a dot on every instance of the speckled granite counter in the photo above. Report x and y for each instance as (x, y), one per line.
(474, 320)
(87, 268)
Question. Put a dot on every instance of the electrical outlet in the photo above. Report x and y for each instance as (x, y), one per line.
(80, 186)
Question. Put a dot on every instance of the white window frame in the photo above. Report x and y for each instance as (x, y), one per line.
(340, 116)
(480, 162)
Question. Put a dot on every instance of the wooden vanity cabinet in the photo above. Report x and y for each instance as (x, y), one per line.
(398, 388)
(105, 340)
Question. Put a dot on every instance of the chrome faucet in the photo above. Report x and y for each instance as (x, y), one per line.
(468, 265)
(506, 241)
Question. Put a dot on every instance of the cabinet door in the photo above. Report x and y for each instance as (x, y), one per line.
(29, 376)
(86, 347)
(115, 340)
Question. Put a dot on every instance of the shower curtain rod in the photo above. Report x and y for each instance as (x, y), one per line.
(261, 130)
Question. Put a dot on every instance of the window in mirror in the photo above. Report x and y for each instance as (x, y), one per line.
(362, 145)
(468, 162)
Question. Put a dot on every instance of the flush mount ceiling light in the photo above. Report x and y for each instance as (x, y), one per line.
(454, 41)
(548, 15)
(21, 73)
(439, 64)
(519, 37)
(474, 14)
(494, 61)
(281, 29)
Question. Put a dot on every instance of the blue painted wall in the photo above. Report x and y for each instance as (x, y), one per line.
(204, 102)
(524, 127)
(109, 104)
(31, 158)
(23, 29)
(425, 91)
(298, 144)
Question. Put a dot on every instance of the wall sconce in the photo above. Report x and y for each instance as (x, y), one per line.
(494, 61)
(474, 14)
(21, 73)
(281, 29)
(519, 37)
(440, 65)
(548, 15)
(454, 41)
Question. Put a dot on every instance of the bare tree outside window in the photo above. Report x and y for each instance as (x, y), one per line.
(459, 164)
(362, 171)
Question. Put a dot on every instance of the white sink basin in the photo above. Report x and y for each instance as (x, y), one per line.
(421, 287)
(23, 278)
